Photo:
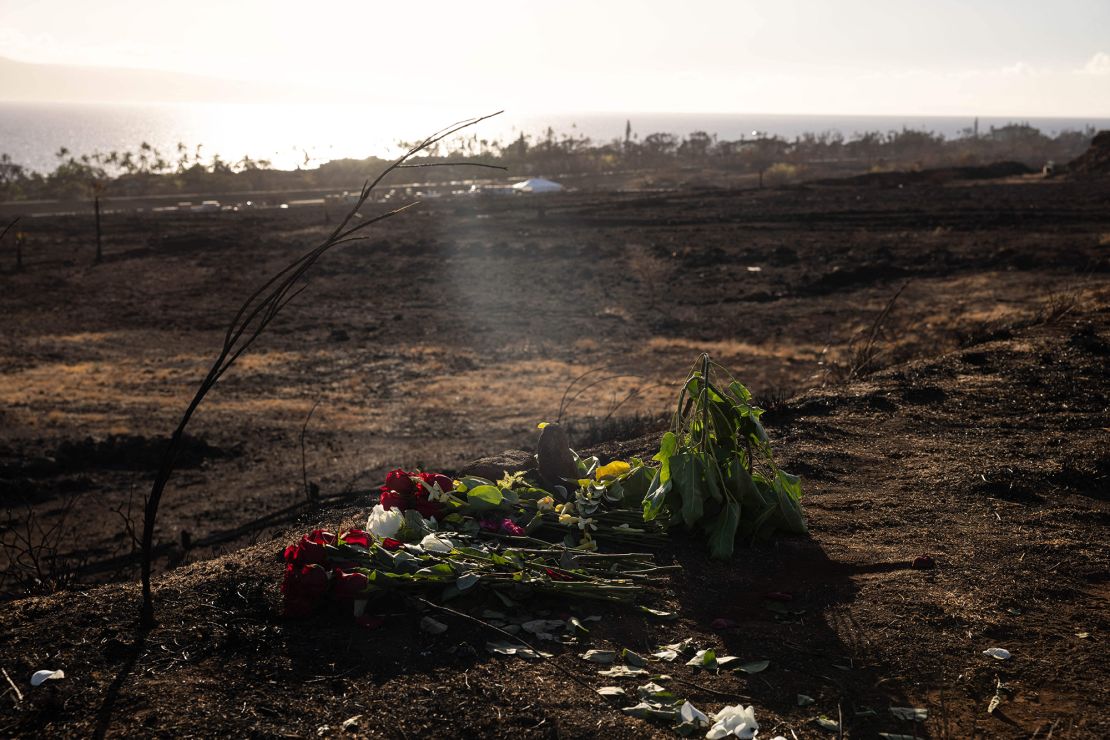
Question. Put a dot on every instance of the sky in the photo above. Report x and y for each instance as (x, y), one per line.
(942, 57)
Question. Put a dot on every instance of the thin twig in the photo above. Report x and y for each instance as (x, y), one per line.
(18, 693)
(304, 467)
(9, 227)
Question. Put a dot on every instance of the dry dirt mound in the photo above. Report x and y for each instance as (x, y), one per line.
(1096, 160)
(992, 460)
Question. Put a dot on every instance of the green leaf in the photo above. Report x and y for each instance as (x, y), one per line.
(741, 392)
(688, 474)
(788, 490)
(722, 531)
(703, 659)
(578, 628)
(484, 497)
(668, 446)
(655, 497)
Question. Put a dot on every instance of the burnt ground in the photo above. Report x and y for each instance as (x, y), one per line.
(976, 434)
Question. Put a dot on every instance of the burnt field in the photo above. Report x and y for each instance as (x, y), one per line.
(932, 357)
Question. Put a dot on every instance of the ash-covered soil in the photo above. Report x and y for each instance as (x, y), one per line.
(973, 431)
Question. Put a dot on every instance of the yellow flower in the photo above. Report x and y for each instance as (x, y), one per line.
(612, 470)
(567, 519)
(547, 503)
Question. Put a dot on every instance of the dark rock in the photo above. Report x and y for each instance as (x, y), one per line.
(495, 466)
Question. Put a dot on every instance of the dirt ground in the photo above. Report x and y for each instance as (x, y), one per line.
(975, 431)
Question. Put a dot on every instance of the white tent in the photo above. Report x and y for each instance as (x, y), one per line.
(537, 185)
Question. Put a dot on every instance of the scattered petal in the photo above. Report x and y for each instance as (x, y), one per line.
(658, 613)
(736, 721)
(623, 671)
(350, 724)
(508, 648)
(599, 656)
(805, 701)
(612, 691)
(41, 677)
(665, 654)
(997, 653)
(690, 713)
(912, 714)
(755, 666)
(828, 724)
(466, 580)
(704, 659)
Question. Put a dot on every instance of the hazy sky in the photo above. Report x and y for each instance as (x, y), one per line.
(959, 57)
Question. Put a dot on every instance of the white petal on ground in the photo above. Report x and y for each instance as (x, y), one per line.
(997, 653)
(734, 720)
(41, 677)
(433, 543)
(384, 523)
(690, 713)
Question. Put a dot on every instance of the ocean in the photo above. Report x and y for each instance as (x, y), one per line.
(290, 136)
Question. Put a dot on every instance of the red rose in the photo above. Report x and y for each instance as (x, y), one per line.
(303, 586)
(350, 585)
(391, 544)
(305, 552)
(390, 499)
(321, 537)
(432, 479)
(400, 481)
(428, 509)
(309, 552)
(357, 537)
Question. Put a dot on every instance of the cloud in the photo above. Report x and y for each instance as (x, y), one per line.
(1099, 64)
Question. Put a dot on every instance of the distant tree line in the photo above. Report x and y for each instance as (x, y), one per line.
(148, 171)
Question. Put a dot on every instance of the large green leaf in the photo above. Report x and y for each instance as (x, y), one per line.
(722, 531)
(668, 446)
(789, 509)
(688, 477)
(482, 498)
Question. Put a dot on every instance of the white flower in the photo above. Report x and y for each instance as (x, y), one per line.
(434, 543)
(736, 721)
(690, 713)
(384, 523)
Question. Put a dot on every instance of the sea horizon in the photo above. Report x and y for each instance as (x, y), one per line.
(292, 136)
